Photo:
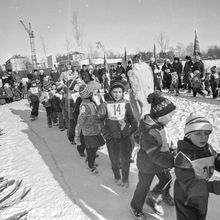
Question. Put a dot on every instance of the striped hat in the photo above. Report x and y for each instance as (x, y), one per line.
(85, 91)
(196, 122)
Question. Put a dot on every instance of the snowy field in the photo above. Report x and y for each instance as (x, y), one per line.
(62, 186)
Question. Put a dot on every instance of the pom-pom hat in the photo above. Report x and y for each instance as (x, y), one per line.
(160, 105)
(196, 122)
(116, 84)
(85, 91)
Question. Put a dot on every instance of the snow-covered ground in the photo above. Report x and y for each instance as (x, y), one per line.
(62, 186)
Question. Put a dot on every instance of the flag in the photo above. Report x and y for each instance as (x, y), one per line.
(125, 59)
(105, 64)
(196, 49)
(154, 52)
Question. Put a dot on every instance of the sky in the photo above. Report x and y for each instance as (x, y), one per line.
(117, 24)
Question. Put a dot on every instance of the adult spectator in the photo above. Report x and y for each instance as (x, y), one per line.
(156, 73)
(119, 71)
(129, 67)
(178, 68)
(54, 74)
(187, 71)
(166, 69)
(199, 65)
(84, 74)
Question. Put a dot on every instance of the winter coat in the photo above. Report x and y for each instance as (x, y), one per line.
(44, 99)
(87, 119)
(85, 76)
(178, 67)
(155, 70)
(196, 81)
(192, 181)
(34, 94)
(154, 155)
(199, 65)
(54, 75)
(214, 80)
(116, 118)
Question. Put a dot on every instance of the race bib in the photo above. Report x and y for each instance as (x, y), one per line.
(34, 90)
(204, 167)
(116, 111)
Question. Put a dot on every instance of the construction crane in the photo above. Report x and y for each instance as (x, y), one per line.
(33, 50)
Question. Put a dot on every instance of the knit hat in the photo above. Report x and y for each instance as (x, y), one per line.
(197, 122)
(116, 84)
(160, 105)
(85, 91)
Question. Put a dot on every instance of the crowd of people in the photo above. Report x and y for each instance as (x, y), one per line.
(90, 105)
(192, 77)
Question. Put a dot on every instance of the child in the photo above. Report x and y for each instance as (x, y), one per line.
(207, 83)
(214, 81)
(194, 166)
(197, 84)
(118, 123)
(45, 97)
(154, 156)
(174, 83)
(87, 124)
(33, 98)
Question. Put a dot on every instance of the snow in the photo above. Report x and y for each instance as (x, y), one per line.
(62, 186)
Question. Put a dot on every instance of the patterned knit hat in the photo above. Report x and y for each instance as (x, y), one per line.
(85, 91)
(116, 84)
(197, 122)
(160, 105)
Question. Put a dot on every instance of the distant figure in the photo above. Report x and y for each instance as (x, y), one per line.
(187, 71)
(199, 65)
(178, 68)
(167, 68)
(156, 74)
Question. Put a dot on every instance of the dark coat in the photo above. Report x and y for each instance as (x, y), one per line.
(112, 127)
(189, 190)
(199, 65)
(178, 67)
(154, 156)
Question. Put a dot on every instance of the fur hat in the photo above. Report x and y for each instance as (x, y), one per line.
(116, 84)
(188, 58)
(196, 122)
(85, 91)
(160, 105)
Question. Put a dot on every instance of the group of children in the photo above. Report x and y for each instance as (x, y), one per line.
(112, 121)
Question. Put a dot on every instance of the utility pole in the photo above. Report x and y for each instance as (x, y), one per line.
(33, 50)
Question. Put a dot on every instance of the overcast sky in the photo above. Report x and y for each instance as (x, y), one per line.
(117, 24)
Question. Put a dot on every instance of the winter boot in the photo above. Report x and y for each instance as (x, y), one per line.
(139, 215)
(154, 203)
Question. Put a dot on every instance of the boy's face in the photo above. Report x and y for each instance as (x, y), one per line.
(117, 93)
(199, 138)
(166, 118)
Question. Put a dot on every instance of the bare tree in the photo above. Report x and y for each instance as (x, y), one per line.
(189, 49)
(92, 51)
(77, 33)
(179, 49)
(163, 42)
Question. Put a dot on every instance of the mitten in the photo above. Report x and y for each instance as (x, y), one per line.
(77, 140)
